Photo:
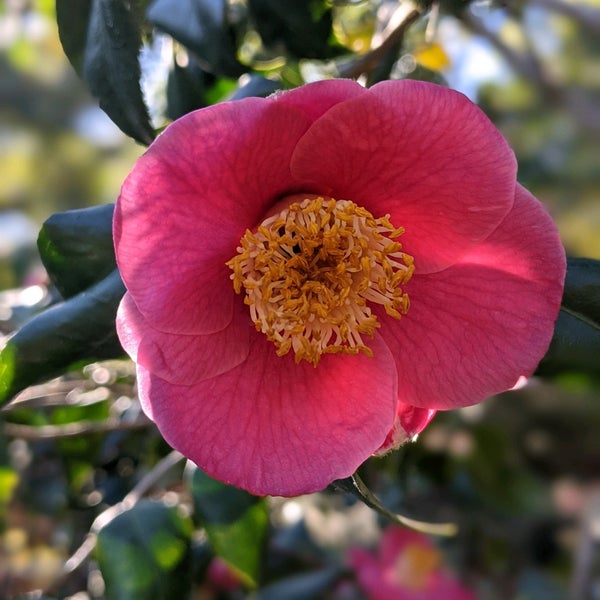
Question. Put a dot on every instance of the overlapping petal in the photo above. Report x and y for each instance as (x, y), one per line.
(476, 327)
(180, 358)
(188, 201)
(409, 421)
(424, 154)
(271, 426)
(315, 99)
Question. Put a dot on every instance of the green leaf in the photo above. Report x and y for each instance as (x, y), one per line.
(304, 27)
(8, 481)
(76, 247)
(304, 586)
(81, 328)
(73, 17)
(256, 86)
(236, 523)
(581, 298)
(144, 553)
(102, 39)
(202, 27)
(575, 346)
(186, 89)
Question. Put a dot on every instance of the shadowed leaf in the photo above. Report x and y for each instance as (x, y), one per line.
(236, 523)
(81, 328)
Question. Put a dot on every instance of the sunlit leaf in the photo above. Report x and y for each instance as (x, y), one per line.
(236, 523)
(144, 553)
(8, 481)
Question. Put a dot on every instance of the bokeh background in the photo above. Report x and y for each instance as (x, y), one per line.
(520, 473)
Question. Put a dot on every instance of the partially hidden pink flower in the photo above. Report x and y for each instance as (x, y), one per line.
(312, 275)
(407, 566)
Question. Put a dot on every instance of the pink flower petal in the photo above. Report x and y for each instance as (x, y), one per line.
(183, 359)
(316, 98)
(188, 201)
(410, 421)
(474, 328)
(376, 574)
(422, 153)
(271, 426)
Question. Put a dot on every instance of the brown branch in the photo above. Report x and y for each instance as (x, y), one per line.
(371, 60)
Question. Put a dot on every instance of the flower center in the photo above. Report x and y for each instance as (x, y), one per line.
(310, 271)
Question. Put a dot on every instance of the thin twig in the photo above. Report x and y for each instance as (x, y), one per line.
(104, 518)
(51, 432)
(369, 61)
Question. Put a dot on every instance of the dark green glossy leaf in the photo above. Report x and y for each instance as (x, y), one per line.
(144, 554)
(73, 17)
(102, 39)
(304, 27)
(236, 523)
(575, 346)
(186, 89)
(81, 328)
(256, 86)
(305, 586)
(202, 27)
(581, 298)
(76, 248)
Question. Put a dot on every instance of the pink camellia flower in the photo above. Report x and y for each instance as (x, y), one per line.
(407, 566)
(312, 275)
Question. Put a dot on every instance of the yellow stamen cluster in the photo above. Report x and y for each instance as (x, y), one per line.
(310, 271)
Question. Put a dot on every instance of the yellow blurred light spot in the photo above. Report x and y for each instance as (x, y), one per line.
(8, 481)
(354, 26)
(13, 540)
(432, 57)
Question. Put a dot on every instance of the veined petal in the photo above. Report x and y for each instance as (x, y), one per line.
(189, 200)
(473, 329)
(424, 154)
(274, 427)
(183, 359)
(409, 422)
(314, 99)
